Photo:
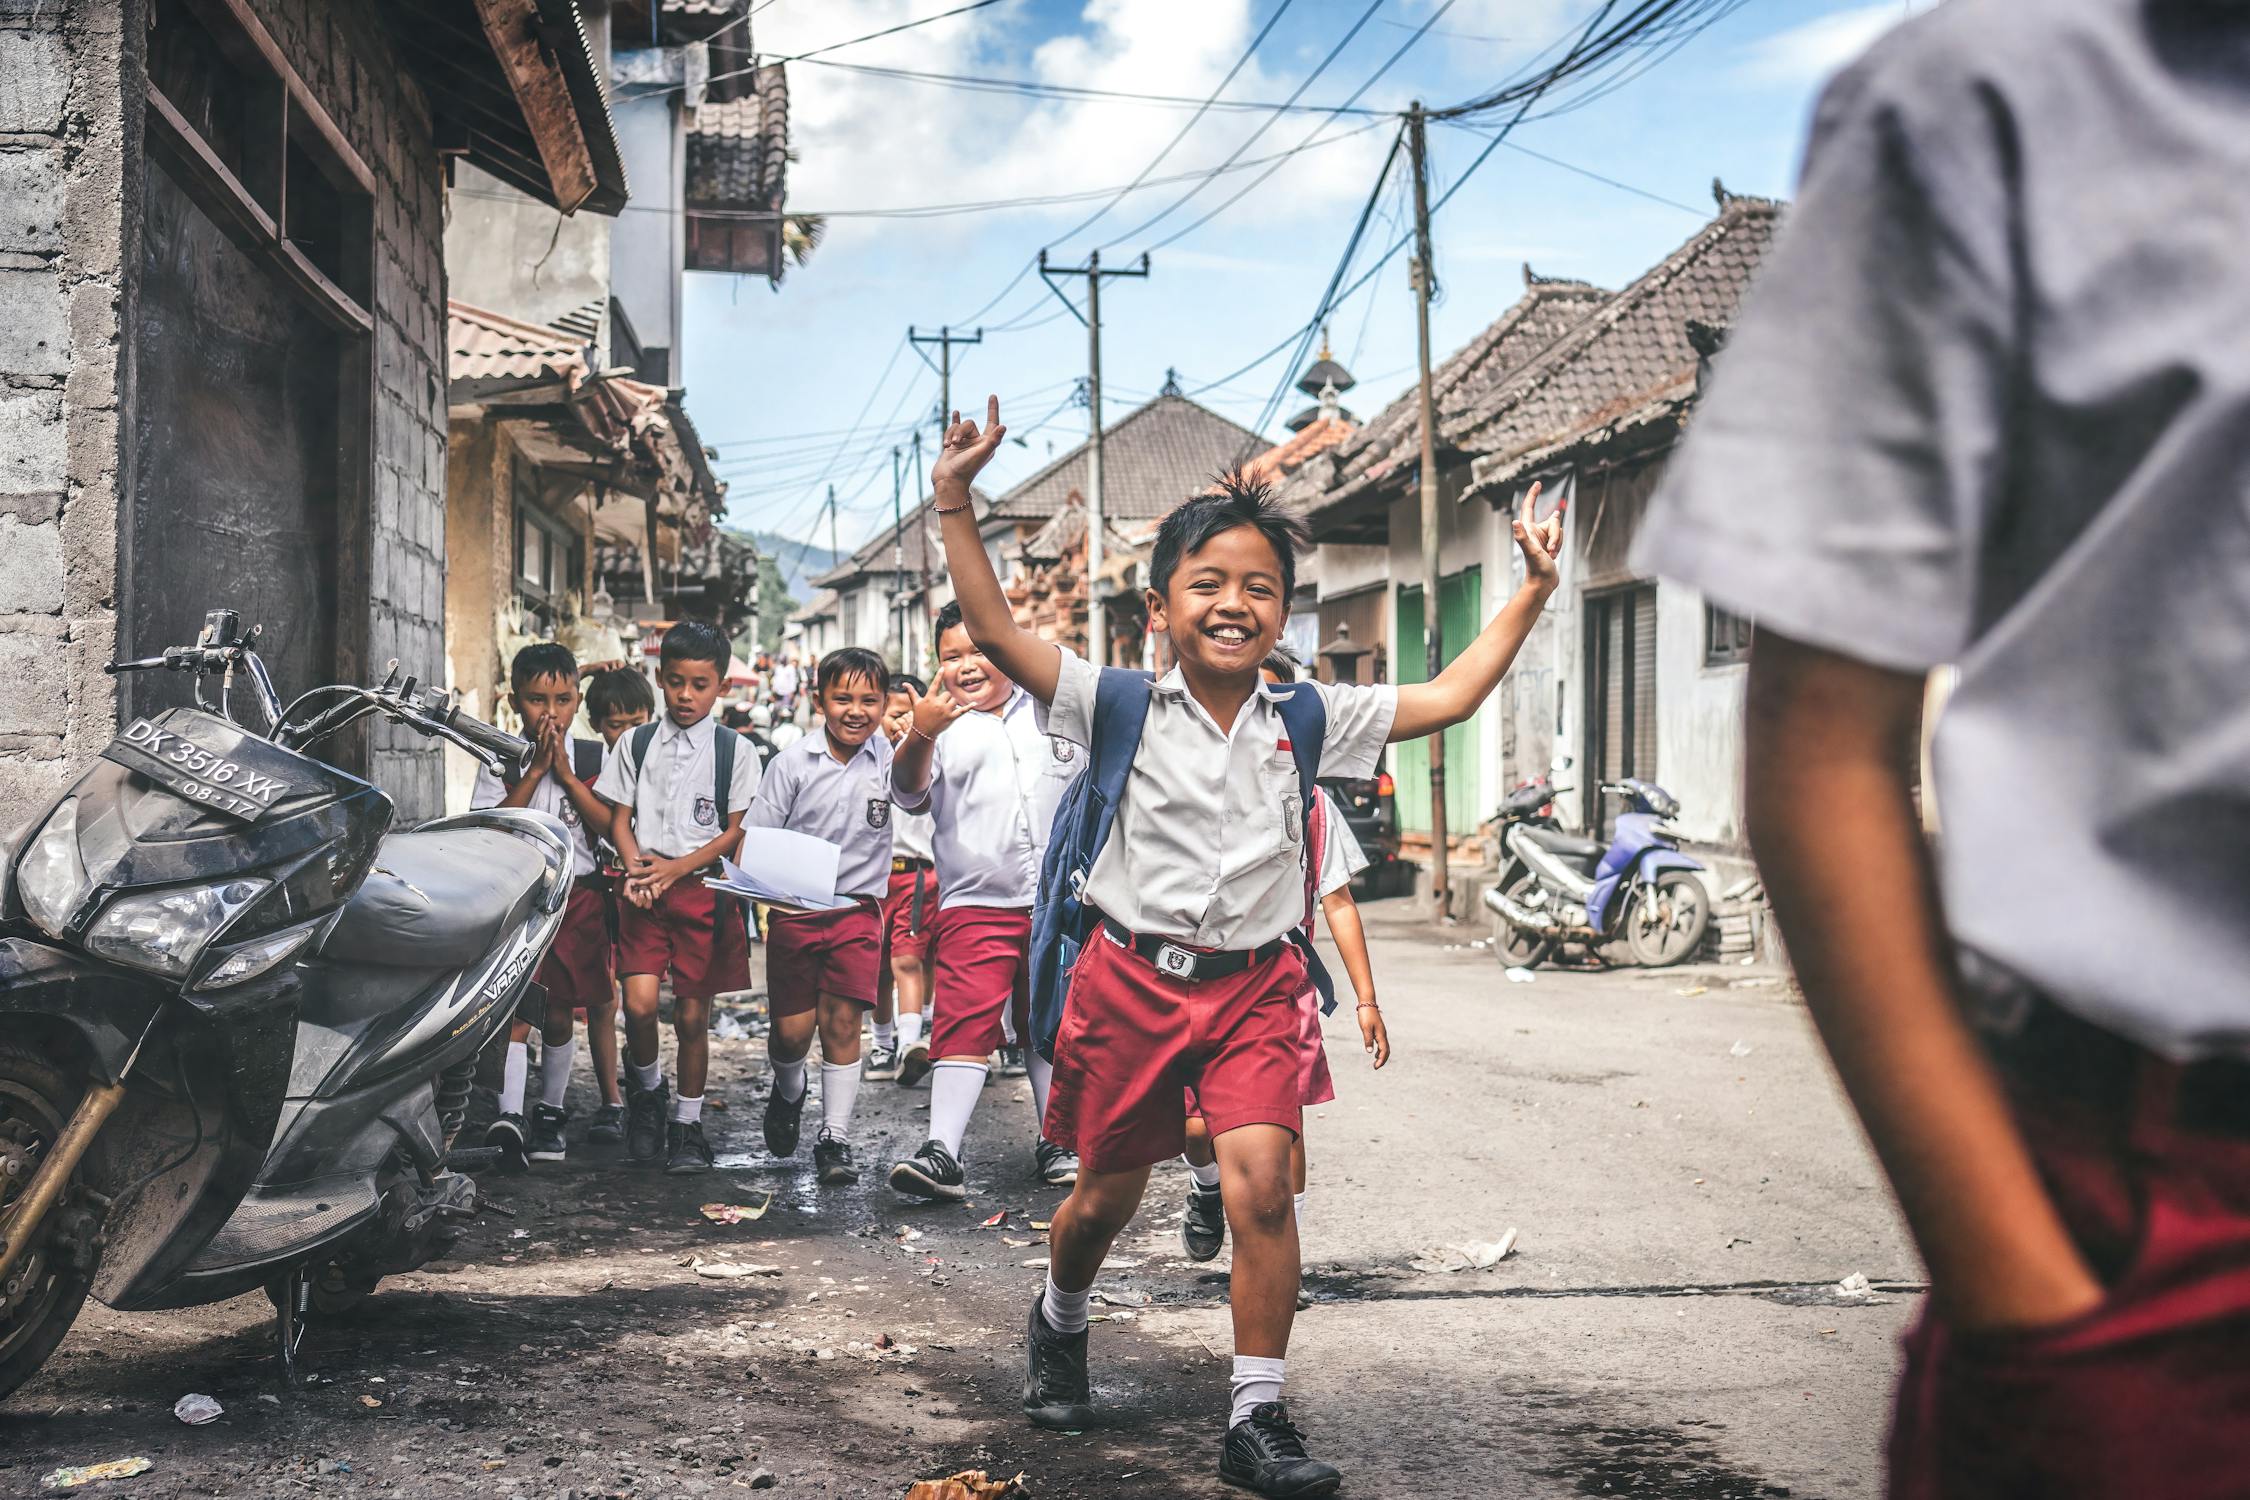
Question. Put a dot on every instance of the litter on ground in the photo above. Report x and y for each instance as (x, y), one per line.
(969, 1484)
(727, 1270)
(737, 1213)
(195, 1409)
(1521, 976)
(84, 1474)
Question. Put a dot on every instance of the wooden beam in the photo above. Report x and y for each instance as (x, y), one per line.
(241, 37)
(511, 27)
(213, 188)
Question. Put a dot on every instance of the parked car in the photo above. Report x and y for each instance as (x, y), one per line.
(1370, 808)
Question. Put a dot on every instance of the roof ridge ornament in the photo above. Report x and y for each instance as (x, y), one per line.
(1721, 196)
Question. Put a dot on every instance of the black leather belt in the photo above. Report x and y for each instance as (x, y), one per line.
(2053, 1053)
(1176, 961)
(902, 863)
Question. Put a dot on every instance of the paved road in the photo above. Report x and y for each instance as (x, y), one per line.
(1670, 1149)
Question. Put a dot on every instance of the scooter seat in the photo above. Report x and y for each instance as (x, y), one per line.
(1565, 845)
(437, 900)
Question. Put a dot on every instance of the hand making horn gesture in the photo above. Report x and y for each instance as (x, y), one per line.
(935, 711)
(1541, 541)
(966, 453)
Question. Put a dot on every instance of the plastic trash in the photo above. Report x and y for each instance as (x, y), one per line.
(727, 1029)
(1740, 1049)
(728, 1270)
(76, 1475)
(195, 1409)
(1522, 976)
(969, 1484)
(737, 1213)
(1854, 1285)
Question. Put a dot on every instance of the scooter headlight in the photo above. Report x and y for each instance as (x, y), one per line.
(52, 878)
(257, 956)
(164, 931)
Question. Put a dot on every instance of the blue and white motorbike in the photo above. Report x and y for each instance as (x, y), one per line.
(1556, 887)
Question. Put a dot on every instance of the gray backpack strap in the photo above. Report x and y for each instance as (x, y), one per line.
(724, 743)
(636, 748)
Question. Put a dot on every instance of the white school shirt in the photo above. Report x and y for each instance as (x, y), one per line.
(1208, 846)
(674, 812)
(1341, 858)
(912, 834)
(848, 803)
(547, 797)
(995, 780)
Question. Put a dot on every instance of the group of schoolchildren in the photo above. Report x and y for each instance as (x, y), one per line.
(1178, 1010)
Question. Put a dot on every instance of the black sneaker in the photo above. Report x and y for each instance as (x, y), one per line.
(1203, 1228)
(913, 1064)
(608, 1128)
(930, 1173)
(1056, 1394)
(882, 1063)
(1058, 1165)
(832, 1161)
(1265, 1452)
(1011, 1062)
(507, 1134)
(547, 1142)
(645, 1110)
(784, 1119)
(685, 1150)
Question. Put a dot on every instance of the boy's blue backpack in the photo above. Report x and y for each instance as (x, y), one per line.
(1061, 921)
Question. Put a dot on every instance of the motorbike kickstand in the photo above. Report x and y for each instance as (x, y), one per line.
(291, 1295)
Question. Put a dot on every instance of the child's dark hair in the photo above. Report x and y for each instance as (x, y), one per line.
(847, 663)
(947, 618)
(737, 716)
(542, 659)
(619, 690)
(1283, 663)
(695, 640)
(1235, 500)
(907, 682)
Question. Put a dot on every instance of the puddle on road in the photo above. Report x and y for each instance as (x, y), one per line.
(1663, 1463)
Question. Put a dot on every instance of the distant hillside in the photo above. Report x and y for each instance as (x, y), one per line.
(800, 562)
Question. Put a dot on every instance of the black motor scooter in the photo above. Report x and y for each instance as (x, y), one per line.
(237, 1021)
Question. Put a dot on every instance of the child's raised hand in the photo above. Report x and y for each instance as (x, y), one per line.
(966, 452)
(935, 711)
(1374, 1037)
(1540, 541)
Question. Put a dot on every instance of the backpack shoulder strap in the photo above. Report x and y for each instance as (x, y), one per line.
(636, 747)
(1121, 699)
(586, 759)
(1305, 716)
(724, 743)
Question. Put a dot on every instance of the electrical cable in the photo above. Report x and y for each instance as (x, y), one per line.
(958, 10)
(1034, 88)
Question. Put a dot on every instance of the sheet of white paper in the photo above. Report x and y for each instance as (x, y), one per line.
(784, 868)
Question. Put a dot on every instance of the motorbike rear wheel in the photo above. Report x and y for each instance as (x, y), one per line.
(1519, 949)
(1665, 920)
(36, 1101)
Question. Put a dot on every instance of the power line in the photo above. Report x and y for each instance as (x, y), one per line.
(1034, 88)
(958, 10)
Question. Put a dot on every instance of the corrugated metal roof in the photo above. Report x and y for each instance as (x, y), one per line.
(1152, 459)
(485, 345)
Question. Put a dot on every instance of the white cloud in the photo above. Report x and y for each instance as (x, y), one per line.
(1807, 53)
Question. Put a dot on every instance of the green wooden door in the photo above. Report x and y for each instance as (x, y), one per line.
(1460, 617)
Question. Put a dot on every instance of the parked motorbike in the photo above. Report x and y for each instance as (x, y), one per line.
(1558, 887)
(238, 1019)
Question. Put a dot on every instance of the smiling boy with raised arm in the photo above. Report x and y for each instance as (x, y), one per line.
(1204, 870)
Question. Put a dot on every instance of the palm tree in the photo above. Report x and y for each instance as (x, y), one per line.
(801, 234)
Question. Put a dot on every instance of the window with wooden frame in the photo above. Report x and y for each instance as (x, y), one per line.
(1726, 637)
(234, 124)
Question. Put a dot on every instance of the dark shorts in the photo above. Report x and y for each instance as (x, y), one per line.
(810, 954)
(1132, 1039)
(575, 972)
(2147, 1394)
(981, 970)
(700, 938)
(910, 910)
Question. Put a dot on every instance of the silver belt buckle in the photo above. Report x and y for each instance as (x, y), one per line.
(1174, 960)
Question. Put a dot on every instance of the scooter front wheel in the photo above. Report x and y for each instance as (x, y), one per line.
(42, 1295)
(1666, 919)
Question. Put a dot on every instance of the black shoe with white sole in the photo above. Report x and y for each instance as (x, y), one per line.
(832, 1161)
(608, 1127)
(1056, 1392)
(1203, 1227)
(882, 1063)
(930, 1173)
(1265, 1454)
(547, 1142)
(1012, 1063)
(645, 1110)
(784, 1119)
(1058, 1165)
(686, 1152)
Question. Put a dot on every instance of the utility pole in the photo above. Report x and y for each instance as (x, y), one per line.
(898, 555)
(835, 550)
(1097, 620)
(1425, 280)
(945, 338)
(929, 615)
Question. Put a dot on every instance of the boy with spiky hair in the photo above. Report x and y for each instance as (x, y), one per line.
(1192, 975)
(900, 1053)
(617, 699)
(679, 787)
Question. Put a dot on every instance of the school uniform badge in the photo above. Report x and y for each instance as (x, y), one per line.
(1063, 749)
(706, 812)
(878, 812)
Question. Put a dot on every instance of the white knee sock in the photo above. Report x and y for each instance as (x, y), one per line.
(909, 1029)
(1300, 1216)
(1042, 1074)
(1257, 1380)
(1065, 1311)
(885, 1034)
(1206, 1177)
(789, 1079)
(514, 1069)
(554, 1072)
(686, 1111)
(839, 1090)
(1007, 1027)
(954, 1087)
(645, 1075)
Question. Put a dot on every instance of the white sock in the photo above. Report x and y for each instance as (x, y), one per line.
(513, 1071)
(1042, 1074)
(1300, 1225)
(686, 1111)
(645, 1075)
(1257, 1380)
(885, 1034)
(1206, 1177)
(1007, 1027)
(954, 1087)
(554, 1072)
(909, 1029)
(789, 1079)
(1065, 1311)
(839, 1090)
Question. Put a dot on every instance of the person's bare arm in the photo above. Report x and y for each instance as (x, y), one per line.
(1460, 689)
(985, 610)
(1351, 946)
(1832, 822)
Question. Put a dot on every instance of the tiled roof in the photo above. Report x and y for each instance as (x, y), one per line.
(1152, 459)
(738, 149)
(585, 323)
(1633, 350)
(485, 345)
(1317, 436)
(821, 607)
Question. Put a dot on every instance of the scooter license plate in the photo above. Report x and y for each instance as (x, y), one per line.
(190, 761)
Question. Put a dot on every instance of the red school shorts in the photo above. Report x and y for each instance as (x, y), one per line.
(700, 939)
(910, 910)
(1315, 1084)
(1132, 1039)
(575, 972)
(815, 953)
(982, 968)
(2147, 1394)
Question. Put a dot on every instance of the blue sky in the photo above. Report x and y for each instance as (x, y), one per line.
(777, 378)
